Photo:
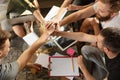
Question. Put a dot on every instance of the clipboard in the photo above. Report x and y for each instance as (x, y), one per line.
(62, 66)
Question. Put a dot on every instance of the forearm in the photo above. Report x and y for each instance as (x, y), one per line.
(37, 12)
(84, 13)
(96, 26)
(96, 29)
(66, 3)
(69, 19)
(27, 54)
(85, 6)
(79, 36)
(62, 9)
(57, 18)
(39, 17)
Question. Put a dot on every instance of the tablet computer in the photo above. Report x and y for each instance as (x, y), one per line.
(64, 43)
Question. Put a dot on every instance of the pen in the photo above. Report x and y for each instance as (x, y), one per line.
(71, 52)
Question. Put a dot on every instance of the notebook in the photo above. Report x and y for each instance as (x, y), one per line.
(52, 13)
(43, 59)
(63, 66)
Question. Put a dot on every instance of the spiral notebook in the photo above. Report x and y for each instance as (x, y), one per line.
(63, 66)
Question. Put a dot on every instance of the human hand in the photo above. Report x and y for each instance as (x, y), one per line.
(53, 26)
(56, 21)
(42, 26)
(80, 62)
(35, 66)
(50, 27)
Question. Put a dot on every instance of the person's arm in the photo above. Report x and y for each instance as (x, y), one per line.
(62, 9)
(96, 25)
(39, 16)
(27, 54)
(83, 68)
(37, 12)
(34, 66)
(84, 13)
(66, 3)
(35, 2)
(76, 7)
(79, 36)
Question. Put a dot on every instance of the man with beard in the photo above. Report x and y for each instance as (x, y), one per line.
(99, 22)
(106, 11)
(108, 43)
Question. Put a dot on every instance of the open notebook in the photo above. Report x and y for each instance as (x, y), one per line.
(63, 66)
(52, 13)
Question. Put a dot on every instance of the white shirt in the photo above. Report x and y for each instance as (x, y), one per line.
(114, 22)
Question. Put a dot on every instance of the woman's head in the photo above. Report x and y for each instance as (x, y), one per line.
(4, 43)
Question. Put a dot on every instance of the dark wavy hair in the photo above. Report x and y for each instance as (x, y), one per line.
(111, 38)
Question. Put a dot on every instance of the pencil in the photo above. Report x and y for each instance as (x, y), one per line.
(72, 64)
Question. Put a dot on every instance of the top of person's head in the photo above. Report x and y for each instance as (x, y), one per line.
(4, 35)
(111, 39)
(114, 4)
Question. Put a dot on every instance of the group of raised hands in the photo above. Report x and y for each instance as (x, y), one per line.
(50, 27)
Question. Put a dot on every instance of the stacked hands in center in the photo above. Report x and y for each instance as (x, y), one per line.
(50, 27)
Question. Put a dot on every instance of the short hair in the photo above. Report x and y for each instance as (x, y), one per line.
(114, 4)
(4, 35)
(111, 39)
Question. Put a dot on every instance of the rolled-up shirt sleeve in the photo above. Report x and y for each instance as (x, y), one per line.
(95, 6)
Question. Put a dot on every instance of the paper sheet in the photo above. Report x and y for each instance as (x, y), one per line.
(43, 59)
(62, 66)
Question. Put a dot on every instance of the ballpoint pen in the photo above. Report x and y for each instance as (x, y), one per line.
(71, 51)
